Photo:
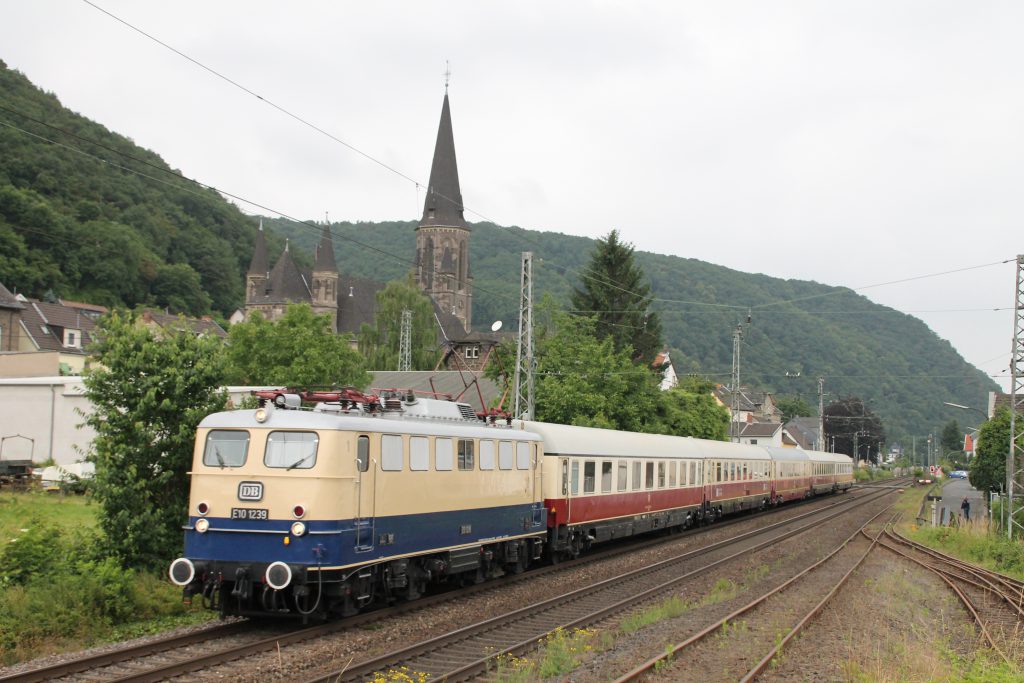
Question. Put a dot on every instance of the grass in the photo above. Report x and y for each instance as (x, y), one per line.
(60, 591)
(18, 509)
(559, 653)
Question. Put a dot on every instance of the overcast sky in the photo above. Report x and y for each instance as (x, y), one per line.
(851, 143)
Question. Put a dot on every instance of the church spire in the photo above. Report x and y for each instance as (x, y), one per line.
(443, 205)
(260, 264)
(325, 252)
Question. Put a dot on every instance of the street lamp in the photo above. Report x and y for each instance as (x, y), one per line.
(962, 407)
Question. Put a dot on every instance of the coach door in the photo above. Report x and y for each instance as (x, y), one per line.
(366, 495)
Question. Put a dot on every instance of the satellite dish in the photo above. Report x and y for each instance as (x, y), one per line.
(496, 326)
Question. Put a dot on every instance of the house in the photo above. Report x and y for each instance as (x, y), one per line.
(46, 338)
(761, 434)
(160, 323)
(754, 406)
(662, 362)
(804, 432)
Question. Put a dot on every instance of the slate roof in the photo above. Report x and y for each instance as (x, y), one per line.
(8, 300)
(357, 301)
(804, 431)
(45, 323)
(443, 203)
(758, 429)
(325, 253)
(260, 264)
(199, 326)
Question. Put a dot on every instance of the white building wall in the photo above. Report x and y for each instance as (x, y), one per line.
(45, 410)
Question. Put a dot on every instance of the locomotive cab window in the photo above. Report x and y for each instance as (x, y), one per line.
(226, 448)
(363, 453)
(291, 450)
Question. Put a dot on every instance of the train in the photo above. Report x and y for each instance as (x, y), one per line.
(368, 499)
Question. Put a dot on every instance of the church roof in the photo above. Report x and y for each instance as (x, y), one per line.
(357, 301)
(443, 204)
(260, 264)
(325, 253)
(287, 283)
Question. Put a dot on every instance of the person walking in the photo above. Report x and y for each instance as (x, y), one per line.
(965, 508)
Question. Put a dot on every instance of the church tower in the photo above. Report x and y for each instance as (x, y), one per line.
(324, 291)
(442, 237)
(259, 271)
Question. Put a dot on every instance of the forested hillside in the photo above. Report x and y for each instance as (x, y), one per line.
(799, 330)
(81, 225)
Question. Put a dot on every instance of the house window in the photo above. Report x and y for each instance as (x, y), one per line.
(70, 338)
(753, 442)
(472, 352)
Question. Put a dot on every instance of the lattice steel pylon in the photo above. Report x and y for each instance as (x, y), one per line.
(405, 342)
(1015, 452)
(734, 424)
(524, 406)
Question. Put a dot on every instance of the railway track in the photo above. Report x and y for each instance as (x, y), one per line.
(469, 652)
(838, 565)
(164, 658)
(995, 601)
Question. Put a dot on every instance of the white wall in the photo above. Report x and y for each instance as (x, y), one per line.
(43, 409)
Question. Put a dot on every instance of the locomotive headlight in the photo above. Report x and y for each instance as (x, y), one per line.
(298, 529)
(202, 525)
(261, 415)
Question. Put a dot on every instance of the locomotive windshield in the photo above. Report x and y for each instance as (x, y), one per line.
(291, 450)
(226, 448)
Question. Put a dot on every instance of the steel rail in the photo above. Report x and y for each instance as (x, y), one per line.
(527, 639)
(654, 662)
(169, 643)
(967, 602)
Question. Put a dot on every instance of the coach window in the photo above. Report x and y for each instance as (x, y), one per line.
(291, 450)
(505, 455)
(419, 453)
(745, 477)
(649, 475)
(444, 454)
(575, 477)
(661, 475)
(226, 448)
(672, 467)
(623, 475)
(392, 456)
(606, 476)
(637, 475)
(486, 454)
(522, 455)
(363, 453)
(588, 476)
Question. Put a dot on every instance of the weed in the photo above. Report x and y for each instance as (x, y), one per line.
(400, 675)
(667, 609)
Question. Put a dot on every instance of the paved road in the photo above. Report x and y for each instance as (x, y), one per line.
(953, 494)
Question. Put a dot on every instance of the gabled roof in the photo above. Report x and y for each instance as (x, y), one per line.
(758, 429)
(447, 382)
(199, 326)
(45, 322)
(443, 204)
(8, 300)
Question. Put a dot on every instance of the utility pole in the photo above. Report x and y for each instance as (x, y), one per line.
(405, 342)
(821, 411)
(524, 399)
(1015, 453)
(734, 425)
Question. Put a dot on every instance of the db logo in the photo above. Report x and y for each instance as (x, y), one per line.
(250, 490)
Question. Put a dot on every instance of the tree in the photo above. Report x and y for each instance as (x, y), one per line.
(952, 438)
(988, 467)
(300, 349)
(791, 407)
(689, 409)
(615, 292)
(148, 397)
(380, 342)
(853, 429)
(585, 381)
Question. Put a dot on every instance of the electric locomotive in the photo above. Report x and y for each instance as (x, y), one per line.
(360, 500)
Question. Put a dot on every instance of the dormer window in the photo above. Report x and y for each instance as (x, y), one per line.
(72, 338)
(472, 352)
